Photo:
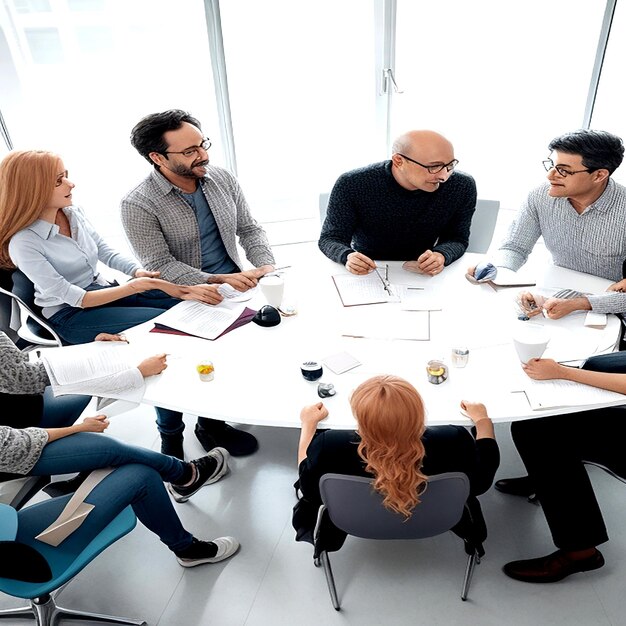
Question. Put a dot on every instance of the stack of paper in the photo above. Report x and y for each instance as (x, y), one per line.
(100, 368)
(201, 320)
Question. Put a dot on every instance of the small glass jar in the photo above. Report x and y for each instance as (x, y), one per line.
(311, 370)
(460, 356)
(436, 371)
(205, 370)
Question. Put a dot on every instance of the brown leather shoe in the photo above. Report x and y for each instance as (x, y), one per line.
(551, 568)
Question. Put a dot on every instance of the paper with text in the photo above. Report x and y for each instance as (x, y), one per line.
(548, 394)
(101, 368)
(201, 320)
(370, 289)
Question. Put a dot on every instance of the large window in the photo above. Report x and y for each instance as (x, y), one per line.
(499, 79)
(302, 90)
(81, 73)
(610, 108)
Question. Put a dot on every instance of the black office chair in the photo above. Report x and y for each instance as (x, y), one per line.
(353, 506)
(32, 328)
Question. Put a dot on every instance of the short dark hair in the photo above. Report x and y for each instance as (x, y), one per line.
(600, 150)
(147, 135)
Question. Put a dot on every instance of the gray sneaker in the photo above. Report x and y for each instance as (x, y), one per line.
(209, 469)
(197, 553)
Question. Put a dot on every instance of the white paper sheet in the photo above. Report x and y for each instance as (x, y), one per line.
(356, 290)
(547, 394)
(201, 320)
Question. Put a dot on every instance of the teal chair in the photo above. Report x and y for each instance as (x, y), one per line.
(34, 570)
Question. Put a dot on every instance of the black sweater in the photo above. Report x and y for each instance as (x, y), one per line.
(368, 211)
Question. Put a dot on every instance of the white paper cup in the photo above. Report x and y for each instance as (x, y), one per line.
(531, 343)
(272, 288)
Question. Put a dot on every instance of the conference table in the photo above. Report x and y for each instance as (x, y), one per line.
(257, 370)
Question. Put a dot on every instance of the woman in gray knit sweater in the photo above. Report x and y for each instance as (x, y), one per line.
(139, 474)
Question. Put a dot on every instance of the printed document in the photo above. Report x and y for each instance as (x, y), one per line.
(100, 368)
(201, 320)
(369, 289)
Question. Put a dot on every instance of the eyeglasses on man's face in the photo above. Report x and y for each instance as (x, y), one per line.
(560, 170)
(433, 169)
(193, 150)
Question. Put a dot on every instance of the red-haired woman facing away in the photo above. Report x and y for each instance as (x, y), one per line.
(393, 445)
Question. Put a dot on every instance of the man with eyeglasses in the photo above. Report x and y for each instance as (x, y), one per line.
(183, 221)
(414, 207)
(581, 214)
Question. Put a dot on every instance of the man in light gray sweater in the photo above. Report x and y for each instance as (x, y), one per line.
(581, 214)
(183, 221)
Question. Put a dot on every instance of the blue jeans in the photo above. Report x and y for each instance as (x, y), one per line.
(61, 411)
(138, 481)
(75, 325)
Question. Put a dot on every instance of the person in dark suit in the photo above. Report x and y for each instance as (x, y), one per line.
(554, 450)
(392, 444)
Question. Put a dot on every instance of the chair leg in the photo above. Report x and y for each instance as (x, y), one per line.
(48, 613)
(330, 580)
(23, 611)
(472, 560)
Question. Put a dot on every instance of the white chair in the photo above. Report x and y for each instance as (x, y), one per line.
(483, 224)
(323, 206)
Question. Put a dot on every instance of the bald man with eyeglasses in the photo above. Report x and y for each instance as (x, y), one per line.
(415, 207)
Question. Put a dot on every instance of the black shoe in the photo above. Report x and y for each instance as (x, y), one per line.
(213, 433)
(516, 486)
(172, 445)
(551, 568)
(209, 469)
(63, 487)
(200, 552)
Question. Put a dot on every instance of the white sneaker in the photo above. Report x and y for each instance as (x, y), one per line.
(204, 475)
(196, 553)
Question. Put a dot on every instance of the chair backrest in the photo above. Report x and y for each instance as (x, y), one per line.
(354, 507)
(483, 224)
(323, 206)
(33, 328)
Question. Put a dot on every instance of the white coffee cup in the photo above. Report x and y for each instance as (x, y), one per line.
(272, 288)
(531, 342)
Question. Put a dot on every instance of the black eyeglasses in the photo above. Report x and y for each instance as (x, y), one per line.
(193, 150)
(433, 169)
(549, 165)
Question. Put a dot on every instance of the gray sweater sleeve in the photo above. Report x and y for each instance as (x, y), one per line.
(17, 374)
(521, 237)
(612, 302)
(20, 448)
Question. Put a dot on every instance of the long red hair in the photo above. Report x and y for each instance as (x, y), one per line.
(27, 181)
(390, 416)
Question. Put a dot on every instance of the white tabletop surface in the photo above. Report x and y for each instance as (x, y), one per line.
(257, 373)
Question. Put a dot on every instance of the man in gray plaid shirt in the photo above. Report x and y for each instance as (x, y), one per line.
(183, 221)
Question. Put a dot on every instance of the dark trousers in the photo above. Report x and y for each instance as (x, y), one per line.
(553, 450)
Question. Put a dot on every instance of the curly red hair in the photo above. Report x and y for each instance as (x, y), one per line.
(390, 416)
